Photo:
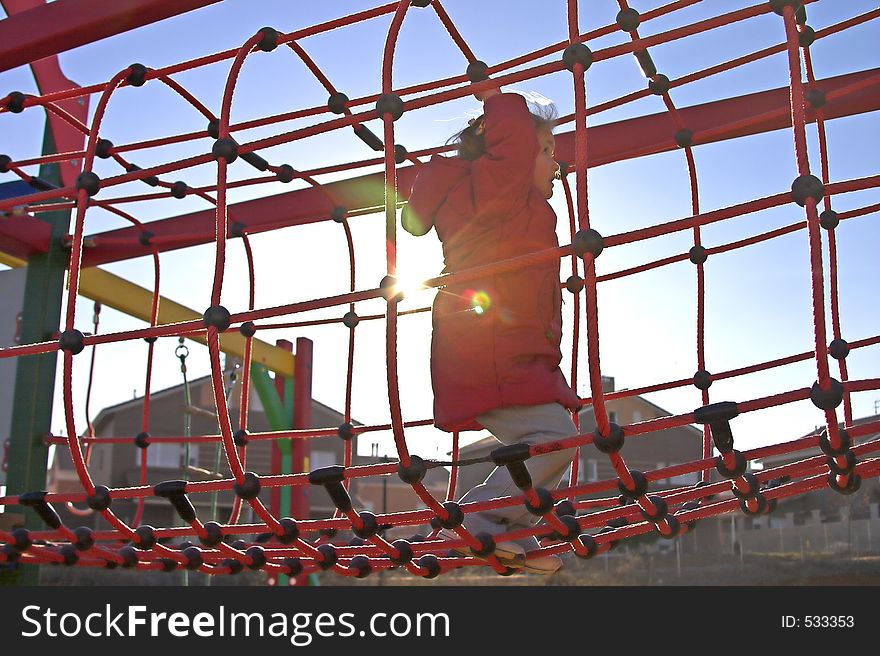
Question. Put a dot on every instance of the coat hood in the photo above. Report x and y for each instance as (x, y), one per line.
(429, 191)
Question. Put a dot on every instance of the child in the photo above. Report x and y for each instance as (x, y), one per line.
(495, 349)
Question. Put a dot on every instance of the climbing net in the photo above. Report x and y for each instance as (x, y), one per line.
(617, 509)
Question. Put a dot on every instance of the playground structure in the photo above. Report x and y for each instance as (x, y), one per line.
(289, 543)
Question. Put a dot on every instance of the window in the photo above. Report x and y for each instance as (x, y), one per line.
(319, 459)
(685, 479)
(637, 416)
(592, 470)
(567, 474)
(612, 417)
(162, 454)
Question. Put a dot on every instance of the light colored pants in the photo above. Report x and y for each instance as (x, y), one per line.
(534, 424)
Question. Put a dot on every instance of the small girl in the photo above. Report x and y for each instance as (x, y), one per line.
(495, 348)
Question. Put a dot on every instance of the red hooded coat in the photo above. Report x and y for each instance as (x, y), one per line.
(496, 340)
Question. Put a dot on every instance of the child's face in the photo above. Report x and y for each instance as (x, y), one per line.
(545, 165)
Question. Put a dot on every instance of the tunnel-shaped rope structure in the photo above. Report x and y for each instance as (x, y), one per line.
(619, 508)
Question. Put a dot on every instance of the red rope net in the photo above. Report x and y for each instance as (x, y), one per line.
(571, 522)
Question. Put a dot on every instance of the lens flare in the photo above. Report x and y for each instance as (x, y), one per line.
(480, 302)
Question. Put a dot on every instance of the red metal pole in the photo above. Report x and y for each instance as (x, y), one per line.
(300, 506)
(62, 25)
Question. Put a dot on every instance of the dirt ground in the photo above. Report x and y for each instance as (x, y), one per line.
(662, 569)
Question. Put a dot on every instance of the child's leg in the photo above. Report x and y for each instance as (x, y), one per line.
(534, 424)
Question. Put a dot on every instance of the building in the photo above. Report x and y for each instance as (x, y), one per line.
(645, 453)
(117, 464)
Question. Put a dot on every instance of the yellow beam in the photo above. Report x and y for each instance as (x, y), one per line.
(125, 296)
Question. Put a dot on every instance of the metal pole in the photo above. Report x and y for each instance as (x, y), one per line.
(35, 374)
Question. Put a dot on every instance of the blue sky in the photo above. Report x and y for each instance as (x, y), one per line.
(758, 299)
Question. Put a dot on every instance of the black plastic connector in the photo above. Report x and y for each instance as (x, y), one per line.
(414, 473)
(477, 71)
(455, 515)
(369, 137)
(404, 550)
(684, 138)
(175, 492)
(611, 443)
(257, 556)
(577, 53)
(574, 284)
(150, 180)
(702, 379)
(487, 545)
(827, 399)
(829, 219)
(85, 539)
(225, 148)
(15, 102)
(646, 63)
(430, 563)
(545, 503)
(69, 555)
(640, 482)
(806, 36)
(137, 75)
(779, 6)
(628, 19)
(587, 241)
(718, 416)
(336, 103)
(179, 189)
(289, 531)
(193, 557)
(807, 186)
(659, 85)
(572, 528)
(285, 173)
(129, 556)
(142, 440)
(753, 486)
(294, 566)
(103, 148)
(507, 455)
(389, 103)
(825, 443)
(838, 349)
(761, 507)
(329, 557)
(268, 40)
(21, 539)
(213, 535)
(369, 526)
(589, 544)
(661, 509)
(240, 437)
(249, 488)
(71, 341)
(36, 501)
(256, 161)
(698, 255)
(234, 566)
(739, 467)
(849, 465)
(360, 566)
(853, 483)
(145, 537)
(217, 317)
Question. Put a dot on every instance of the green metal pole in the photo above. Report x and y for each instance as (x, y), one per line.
(35, 374)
